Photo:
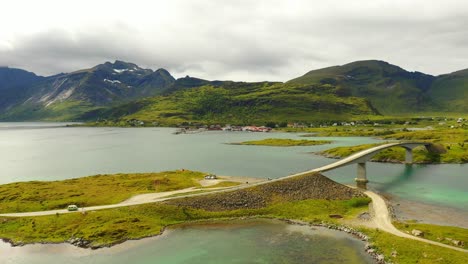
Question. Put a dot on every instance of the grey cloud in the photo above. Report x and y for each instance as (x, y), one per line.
(259, 40)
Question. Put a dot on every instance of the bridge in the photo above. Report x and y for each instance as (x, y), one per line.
(362, 157)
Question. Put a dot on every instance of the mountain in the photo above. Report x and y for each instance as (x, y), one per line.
(450, 91)
(103, 84)
(122, 91)
(11, 78)
(389, 88)
(240, 103)
(64, 96)
(13, 85)
(188, 82)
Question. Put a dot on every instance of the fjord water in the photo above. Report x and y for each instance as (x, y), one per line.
(242, 242)
(31, 152)
(49, 151)
(38, 151)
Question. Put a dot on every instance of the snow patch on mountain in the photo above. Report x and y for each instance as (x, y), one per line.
(112, 81)
(120, 70)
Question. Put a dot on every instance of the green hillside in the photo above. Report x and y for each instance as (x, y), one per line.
(123, 91)
(450, 91)
(390, 89)
(61, 111)
(241, 103)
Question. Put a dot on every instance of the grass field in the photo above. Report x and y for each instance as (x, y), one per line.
(90, 191)
(106, 227)
(411, 251)
(442, 234)
(239, 104)
(455, 141)
(280, 142)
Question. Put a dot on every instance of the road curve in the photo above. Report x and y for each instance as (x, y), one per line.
(383, 221)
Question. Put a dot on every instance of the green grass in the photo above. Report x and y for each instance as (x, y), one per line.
(455, 154)
(455, 141)
(411, 251)
(437, 233)
(389, 88)
(340, 152)
(90, 191)
(239, 103)
(59, 111)
(106, 227)
(451, 91)
(224, 184)
(280, 142)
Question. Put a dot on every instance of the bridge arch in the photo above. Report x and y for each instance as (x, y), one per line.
(362, 157)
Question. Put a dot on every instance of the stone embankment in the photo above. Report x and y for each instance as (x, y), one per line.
(368, 247)
(312, 186)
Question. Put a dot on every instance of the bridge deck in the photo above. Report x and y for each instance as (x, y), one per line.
(361, 156)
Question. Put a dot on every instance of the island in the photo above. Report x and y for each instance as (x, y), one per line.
(451, 146)
(283, 142)
(311, 199)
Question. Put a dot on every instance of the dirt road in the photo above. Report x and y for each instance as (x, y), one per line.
(135, 200)
(383, 220)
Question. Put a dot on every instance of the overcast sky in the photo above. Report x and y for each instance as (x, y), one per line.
(250, 40)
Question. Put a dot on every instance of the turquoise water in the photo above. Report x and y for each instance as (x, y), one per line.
(444, 184)
(256, 241)
(37, 151)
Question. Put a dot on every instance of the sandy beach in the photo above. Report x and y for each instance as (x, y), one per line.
(405, 210)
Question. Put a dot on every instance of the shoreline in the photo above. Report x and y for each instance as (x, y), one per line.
(350, 227)
(120, 246)
(389, 161)
(421, 212)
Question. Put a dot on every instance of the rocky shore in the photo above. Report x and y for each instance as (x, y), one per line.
(312, 186)
(368, 247)
(407, 210)
(80, 242)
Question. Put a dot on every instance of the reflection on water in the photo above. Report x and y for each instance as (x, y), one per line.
(254, 241)
(442, 184)
(400, 179)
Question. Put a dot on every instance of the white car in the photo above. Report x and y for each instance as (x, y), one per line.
(72, 207)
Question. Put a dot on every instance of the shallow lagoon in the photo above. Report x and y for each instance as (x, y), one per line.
(249, 241)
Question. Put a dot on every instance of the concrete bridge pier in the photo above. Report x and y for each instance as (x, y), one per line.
(409, 156)
(361, 180)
